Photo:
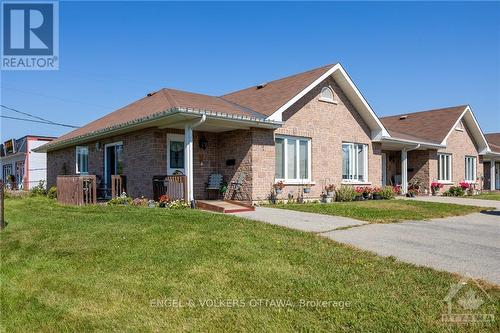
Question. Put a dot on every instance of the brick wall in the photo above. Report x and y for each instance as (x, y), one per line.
(459, 144)
(328, 125)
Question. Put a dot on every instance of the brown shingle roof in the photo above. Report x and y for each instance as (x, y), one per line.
(275, 94)
(159, 101)
(429, 126)
(493, 141)
(251, 102)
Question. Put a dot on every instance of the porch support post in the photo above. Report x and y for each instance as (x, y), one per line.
(492, 175)
(404, 171)
(188, 161)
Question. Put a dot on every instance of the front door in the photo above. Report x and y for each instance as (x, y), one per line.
(113, 161)
(497, 176)
(175, 154)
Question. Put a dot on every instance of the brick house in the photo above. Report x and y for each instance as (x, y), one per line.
(313, 128)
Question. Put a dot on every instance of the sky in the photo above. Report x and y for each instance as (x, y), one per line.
(403, 57)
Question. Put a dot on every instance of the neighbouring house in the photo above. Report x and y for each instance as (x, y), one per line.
(306, 130)
(492, 162)
(19, 162)
(444, 145)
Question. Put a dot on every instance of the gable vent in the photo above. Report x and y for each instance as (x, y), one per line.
(403, 117)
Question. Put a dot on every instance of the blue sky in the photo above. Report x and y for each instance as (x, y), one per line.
(403, 56)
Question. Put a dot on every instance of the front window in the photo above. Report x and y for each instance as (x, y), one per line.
(82, 160)
(354, 162)
(292, 159)
(444, 167)
(7, 171)
(470, 168)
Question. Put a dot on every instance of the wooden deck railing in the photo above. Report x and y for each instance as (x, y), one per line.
(173, 186)
(117, 185)
(76, 190)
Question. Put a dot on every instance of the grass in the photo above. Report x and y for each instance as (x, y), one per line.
(487, 196)
(100, 269)
(385, 211)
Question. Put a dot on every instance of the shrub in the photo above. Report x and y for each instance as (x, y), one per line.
(345, 193)
(52, 193)
(39, 189)
(387, 192)
(120, 201)
(178, 204)
(454, 191)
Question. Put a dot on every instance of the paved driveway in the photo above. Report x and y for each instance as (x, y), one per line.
(467, 245)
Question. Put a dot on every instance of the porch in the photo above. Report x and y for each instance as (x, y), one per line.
(176, 157)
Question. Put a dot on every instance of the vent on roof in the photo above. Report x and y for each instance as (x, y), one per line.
(262, 85)
(403, 117)
(151, 93)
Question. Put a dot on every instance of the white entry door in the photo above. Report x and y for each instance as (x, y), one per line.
(175, 154)
(497, 176)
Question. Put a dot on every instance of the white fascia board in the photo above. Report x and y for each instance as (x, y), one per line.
(422, 144)
(476, 128)
(377, 131)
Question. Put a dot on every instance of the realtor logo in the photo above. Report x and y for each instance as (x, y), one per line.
(30, 35)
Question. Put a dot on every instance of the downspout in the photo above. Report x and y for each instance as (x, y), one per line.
(188, 157)
(404, 167)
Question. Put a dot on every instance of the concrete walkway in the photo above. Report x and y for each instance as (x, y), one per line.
(310, 222)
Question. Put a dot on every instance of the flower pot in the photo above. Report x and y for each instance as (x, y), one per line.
(366, 196)
(307, 190)
(278, 191)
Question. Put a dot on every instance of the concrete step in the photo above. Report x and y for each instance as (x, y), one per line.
(224, 206)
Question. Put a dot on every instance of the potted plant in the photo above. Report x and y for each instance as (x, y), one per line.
(366, 192)
(359, 193)
(330, 189)
(307, 188)
(163, 201)
(278, 187)
(376, 193)
(435, 187)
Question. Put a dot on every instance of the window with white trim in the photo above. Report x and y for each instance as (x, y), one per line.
(470, 168)
(354, 162)
(326, 94)
(82, 160)
(293, 159)
(444, 167)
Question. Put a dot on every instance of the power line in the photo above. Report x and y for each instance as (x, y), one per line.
(36, 117)
(38, 121)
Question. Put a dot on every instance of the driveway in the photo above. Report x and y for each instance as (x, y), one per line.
(468, 245)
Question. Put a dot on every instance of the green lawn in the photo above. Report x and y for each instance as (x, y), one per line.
(99, 268)
(487, 196)
(385, 211)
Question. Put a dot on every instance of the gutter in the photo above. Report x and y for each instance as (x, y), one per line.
(419, 143)
(154, 117)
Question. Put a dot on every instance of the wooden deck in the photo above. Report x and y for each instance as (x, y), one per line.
(224, 206)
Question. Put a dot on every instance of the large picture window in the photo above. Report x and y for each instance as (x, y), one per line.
(470, 168)
(293, 159)
(354, 162)
(444, 167)
(82, 160)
